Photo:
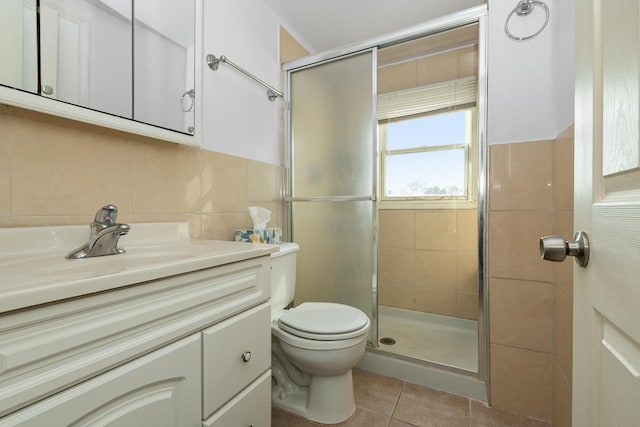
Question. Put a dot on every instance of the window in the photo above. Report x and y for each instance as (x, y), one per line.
(426, 138)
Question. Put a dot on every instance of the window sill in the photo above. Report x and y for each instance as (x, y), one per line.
(427, 204)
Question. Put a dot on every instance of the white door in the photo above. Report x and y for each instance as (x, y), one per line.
(606, 354)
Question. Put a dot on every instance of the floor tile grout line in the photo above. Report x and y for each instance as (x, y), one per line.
(395, 405)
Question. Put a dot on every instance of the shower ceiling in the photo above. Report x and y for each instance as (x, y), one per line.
(328, 24)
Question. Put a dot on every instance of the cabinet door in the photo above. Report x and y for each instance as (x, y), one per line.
(161, 389)
(234, 353)
(252, 407)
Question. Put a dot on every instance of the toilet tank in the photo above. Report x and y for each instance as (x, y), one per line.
(283, 276)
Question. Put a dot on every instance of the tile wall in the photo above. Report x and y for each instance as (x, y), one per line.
(55, 171)
(428, 261)
(530, 303)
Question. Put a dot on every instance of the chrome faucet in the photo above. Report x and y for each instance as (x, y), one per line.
(104, 234)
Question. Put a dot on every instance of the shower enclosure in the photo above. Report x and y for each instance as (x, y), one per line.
(386, 164)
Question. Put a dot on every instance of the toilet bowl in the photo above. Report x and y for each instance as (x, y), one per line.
(315, 346)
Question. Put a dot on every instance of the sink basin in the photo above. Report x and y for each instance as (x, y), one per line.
(33, 268)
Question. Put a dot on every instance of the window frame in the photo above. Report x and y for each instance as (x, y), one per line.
(466, 201)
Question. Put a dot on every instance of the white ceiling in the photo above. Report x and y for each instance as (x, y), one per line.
(322, 25)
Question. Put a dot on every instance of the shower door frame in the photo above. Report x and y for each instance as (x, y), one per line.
(472, 15)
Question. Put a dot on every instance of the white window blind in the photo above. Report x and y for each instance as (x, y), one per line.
(447, 95)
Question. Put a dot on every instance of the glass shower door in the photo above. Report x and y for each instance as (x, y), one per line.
(331, 157)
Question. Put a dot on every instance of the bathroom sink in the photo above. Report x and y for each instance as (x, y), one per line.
(33, 268)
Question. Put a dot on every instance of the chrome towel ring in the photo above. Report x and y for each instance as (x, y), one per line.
(524, 8)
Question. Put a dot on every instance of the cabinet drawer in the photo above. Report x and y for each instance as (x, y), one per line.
(160, 389)
(225, 372)
(252, 407)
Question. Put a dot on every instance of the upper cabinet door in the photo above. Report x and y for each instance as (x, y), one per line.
(18, 45)
(86, 54)
(164, 58)
(133, 60)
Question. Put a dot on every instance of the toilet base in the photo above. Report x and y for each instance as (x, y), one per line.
(326, 400)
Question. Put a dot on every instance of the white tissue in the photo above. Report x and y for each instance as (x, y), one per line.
(260, 217)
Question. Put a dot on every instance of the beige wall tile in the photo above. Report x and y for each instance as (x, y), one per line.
(437, 68)
(40, 221)
(165, 177)
(396, 266)
(521, 314)
(521, 381)
(563, 271)
(436, 270)
(225, 182)
(262, 182)
(290, 49)
(467, 305)
(396, 77)
(5, 174)
(5, 221)
(436, 301)
(563, 174)
(561, 400)
(521, 176)
(513, 245)
(397, 228)
(194, 220)
(467, 272)
(397, 296)
(222, 226)
(467, 230)
(436, 230)
(62, 168)
(563, 332)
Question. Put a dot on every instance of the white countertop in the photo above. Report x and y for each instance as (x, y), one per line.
(33, 268)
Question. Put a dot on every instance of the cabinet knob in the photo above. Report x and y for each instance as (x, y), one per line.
(246, 356)
(47, 89)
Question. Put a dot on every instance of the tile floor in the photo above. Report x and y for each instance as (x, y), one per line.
(387, 402)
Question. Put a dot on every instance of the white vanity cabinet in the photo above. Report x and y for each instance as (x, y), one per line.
(161, 389)
(169, 352)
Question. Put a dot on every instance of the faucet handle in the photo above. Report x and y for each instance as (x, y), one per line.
(107, 215)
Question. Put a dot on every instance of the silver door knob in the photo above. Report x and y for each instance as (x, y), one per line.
(554, 248)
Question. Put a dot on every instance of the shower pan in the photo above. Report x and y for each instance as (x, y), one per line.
(386, 176)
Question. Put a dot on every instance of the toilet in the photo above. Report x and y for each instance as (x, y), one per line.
(314, 348)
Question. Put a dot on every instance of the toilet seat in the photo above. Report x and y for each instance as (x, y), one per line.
(324, 321)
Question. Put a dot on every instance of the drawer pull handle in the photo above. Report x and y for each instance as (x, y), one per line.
(246, 356)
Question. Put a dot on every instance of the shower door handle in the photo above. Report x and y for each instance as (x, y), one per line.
(555, 248)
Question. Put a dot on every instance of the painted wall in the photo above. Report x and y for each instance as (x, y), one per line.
(530, 82)
(238, 118)
(530, 85)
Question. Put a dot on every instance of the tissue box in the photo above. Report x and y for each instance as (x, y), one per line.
(271, 236)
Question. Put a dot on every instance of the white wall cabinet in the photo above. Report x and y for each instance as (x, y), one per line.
(145, 355)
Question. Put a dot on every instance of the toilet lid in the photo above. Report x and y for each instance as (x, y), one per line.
(324, 321)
